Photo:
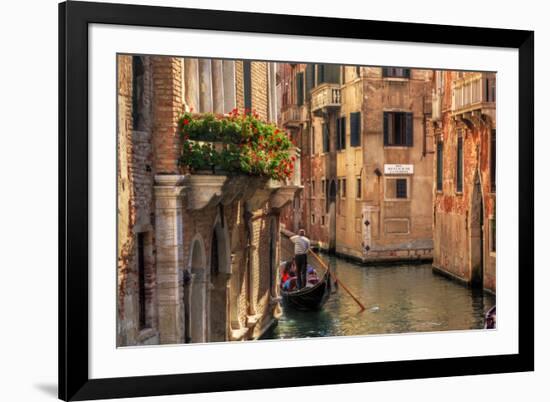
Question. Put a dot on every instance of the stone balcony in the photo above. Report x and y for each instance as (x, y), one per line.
(474, 97)
(325, 97)
(293, 115)
(203, 190)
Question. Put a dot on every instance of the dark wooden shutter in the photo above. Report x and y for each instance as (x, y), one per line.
(355, 129)
(338, 135)
(386, 136)
(320, 73)
(343, 130)
(300, 89)
(407, 72)
(332, 73)
(385, 71)
(409, 129)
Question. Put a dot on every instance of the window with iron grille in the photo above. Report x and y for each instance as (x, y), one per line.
(359, 188)
(400, 188)
(440, 166)
(459, 162)
(397, 72)
(398, 129)
(493, 167)
(355, 129)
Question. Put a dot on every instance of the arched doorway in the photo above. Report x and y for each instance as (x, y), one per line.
(195, 298)
(331, 198)
(219, 270)
(476, 236)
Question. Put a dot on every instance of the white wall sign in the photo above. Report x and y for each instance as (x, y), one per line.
(398, 169)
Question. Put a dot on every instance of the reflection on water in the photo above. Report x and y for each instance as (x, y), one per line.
(406, 298)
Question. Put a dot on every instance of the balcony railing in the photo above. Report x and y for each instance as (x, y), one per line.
(325, 96)
(293, 115)
(474, 92)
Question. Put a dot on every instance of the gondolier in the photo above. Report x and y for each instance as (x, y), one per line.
(301, 247)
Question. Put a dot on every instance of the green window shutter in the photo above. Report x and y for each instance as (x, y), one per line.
(355, 129)
(338, 135)
(343, 130)
(409, 129)
(332, 73)
(320, 73)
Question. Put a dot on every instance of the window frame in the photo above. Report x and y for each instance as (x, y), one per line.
(407, 131)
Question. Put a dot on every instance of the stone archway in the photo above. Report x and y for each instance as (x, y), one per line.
(220, 269)
(196, 296)
(476, 235)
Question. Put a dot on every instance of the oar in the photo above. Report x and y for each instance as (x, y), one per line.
(336, 279)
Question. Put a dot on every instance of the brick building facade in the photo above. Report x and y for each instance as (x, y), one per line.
(366, 158)
(197, 254)
(464, 127)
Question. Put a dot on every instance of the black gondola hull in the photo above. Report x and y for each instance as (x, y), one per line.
(312, 298)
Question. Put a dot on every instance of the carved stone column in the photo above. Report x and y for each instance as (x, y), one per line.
(217, 86)
(229, 91)
(205, 87)
(169, 259)
(191, 68)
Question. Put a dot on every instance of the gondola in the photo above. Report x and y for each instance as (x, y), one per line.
(309, 298)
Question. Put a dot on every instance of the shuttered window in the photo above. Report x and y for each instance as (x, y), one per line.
(459, 163)
(300, 89)
(326, 138)
(439, 166)
(398, 129)
(329, 73)
(355, 129)
(341, 133)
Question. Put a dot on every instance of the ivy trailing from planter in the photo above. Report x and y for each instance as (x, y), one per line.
(235, 143)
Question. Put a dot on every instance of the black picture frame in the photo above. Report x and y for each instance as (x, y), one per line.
(74, 18)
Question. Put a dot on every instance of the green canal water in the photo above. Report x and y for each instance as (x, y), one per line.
(399, 299)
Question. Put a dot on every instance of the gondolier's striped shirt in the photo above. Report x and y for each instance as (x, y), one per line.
(301, 244)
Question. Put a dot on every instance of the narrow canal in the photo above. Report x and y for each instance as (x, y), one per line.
(405, 298)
